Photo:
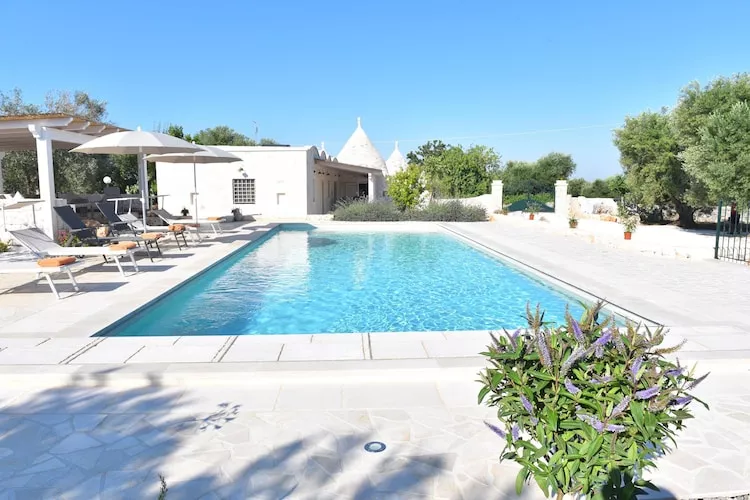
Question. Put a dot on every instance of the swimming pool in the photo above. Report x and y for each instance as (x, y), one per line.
(318, 281)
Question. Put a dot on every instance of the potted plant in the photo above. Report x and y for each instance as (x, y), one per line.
(237, 214)
(572, 222)
(184, 212)
(532, 208)
(587, 407)
(504, 211)
(629, 224)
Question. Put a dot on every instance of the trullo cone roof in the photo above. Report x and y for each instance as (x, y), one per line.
(396, 162)
(359, 150)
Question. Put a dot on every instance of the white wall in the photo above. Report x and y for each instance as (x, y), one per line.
(25, 217)
(585, 205)
(280, 174)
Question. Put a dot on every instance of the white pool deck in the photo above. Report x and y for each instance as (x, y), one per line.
(257, 417)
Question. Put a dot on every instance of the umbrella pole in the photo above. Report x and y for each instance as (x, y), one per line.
(195, 192)
(144, 186)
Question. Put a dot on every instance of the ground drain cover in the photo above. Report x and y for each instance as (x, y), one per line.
(375, 447)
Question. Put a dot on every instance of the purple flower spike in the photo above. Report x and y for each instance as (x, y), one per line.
(681, 401)
(604, 339)
(514, 338)
(543, 351)
(534, 420)
(697, 381)
(621, 407)
(568, 363)
(570, 387)
(619, 343)
(615, 428)
(515, 432)
(527, 404)
(635, 368)
(676, 372)
(497, 430)
(577, 333)
(647, 393)
(592, 421)
(601, 380)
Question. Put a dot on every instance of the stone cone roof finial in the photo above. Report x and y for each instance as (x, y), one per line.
(359, 150)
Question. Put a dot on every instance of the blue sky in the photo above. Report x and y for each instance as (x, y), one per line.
(526, 78)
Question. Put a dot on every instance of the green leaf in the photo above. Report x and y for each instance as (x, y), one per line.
(541, 480)
(633, 452)
(595, 446)
(543, 376)
(483, 394)
(521, 479)
(636, 410)
(552, 419)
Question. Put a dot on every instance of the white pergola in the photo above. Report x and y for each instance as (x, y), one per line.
(44, 133)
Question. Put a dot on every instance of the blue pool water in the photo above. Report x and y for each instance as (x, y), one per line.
(316, 281)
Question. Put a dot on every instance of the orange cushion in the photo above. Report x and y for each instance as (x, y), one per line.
(176, 228)
(193, 225)
(152, 236)
(55, 261)
(123, 245)
(216, 218)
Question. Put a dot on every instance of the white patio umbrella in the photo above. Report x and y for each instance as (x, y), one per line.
(209, 154)
(139, 143)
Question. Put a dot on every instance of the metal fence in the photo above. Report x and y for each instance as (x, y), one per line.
(732, 228)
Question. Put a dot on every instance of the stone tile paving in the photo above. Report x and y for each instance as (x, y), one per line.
(73, 443)
(678, 293)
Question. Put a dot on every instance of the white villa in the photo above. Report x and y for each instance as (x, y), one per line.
(279, 181)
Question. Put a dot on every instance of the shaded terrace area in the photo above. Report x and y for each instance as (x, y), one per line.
(44, 133)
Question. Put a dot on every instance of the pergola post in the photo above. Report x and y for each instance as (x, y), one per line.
(371, 187)
(46, 176)
(2, 183)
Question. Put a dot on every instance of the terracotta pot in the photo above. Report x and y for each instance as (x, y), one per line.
(628, 235)
(573, 225)
(531, 216)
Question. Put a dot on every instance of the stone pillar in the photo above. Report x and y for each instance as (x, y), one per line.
(46, 177)
(497, 194)
(372, 185)
(2, 183)
(561, 199)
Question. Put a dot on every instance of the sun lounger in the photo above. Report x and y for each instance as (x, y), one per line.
(129, 222)
(41, 245)
(79, 229)
(213, 222)
(44, 267)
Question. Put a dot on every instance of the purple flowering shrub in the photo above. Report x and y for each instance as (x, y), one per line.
(586, 407)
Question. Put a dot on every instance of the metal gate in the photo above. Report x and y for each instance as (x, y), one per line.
(732, 228)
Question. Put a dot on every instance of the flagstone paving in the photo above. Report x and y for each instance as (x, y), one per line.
(84, 442)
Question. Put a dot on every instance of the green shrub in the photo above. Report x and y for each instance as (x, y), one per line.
(542, 198)
(382, 210)
(4, 246)
(585, 408)
(449, 211)
(361, 210)
(405, 187)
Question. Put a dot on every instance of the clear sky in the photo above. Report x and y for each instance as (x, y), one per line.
(525, 77)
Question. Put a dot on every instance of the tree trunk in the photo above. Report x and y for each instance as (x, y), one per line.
(685, 215)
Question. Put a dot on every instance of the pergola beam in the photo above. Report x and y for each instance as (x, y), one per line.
(43, 122)
(58, 135)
